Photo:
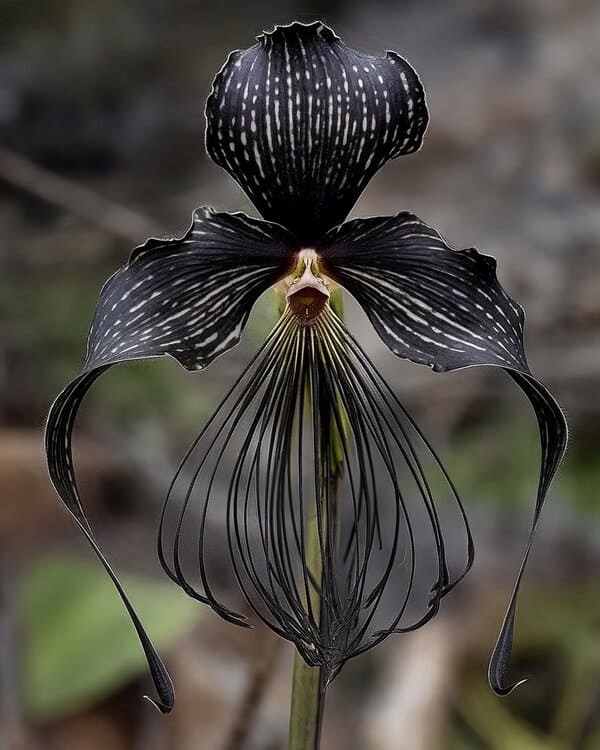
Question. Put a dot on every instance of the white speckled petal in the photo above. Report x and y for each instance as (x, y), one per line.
(429, 303)
(303, 122)
(186, 298)
(446, 309)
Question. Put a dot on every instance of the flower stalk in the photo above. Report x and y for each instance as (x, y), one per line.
(307, 690)
(309, 683)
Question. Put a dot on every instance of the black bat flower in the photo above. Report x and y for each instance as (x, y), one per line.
(303, 122)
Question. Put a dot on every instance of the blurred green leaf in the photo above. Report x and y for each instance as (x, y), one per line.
(458, 740)
(80, 644)
(500, 729)
(593, 742)
(558, 646)
(498, 464)
(563, 617)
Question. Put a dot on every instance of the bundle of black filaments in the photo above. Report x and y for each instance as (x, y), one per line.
(311, 434)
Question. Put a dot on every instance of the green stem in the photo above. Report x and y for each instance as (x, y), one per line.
(305, 712)
(307, 699)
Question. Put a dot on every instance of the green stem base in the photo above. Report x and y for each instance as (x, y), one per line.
(307, 706)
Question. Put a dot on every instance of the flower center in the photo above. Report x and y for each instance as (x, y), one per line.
(307, 294)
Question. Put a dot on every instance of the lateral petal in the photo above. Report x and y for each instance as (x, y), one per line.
(188, 299)
(446, 309)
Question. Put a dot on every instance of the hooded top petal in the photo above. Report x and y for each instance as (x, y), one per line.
(303, 122)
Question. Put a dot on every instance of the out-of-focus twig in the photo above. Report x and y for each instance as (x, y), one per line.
(410, 709)
(13, 735)
(258, 682)
(75, 198)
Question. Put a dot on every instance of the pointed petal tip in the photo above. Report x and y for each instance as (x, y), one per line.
(501, 690)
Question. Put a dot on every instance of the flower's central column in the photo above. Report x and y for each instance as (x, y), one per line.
(307, 294)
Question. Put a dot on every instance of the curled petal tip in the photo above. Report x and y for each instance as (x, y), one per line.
(501, 691)
(163, 708)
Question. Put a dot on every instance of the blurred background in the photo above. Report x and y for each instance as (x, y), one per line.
(101, 145)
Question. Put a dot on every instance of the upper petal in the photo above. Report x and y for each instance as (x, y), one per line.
(303, 122)
(446, 309)
(186, 298)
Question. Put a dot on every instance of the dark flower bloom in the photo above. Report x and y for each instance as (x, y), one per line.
(302, 122)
